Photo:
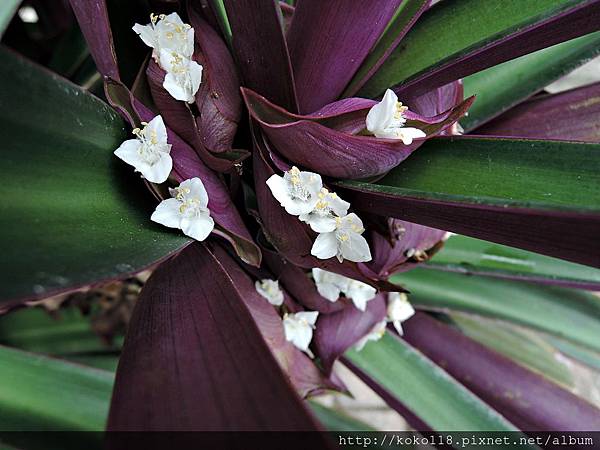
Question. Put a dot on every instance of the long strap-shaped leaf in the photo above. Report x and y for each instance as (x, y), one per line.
(7, 11)
(567, 313)
(501, 87)
(406, 16)
(261, 50)
(427, 396)
(571, 115)
(521, 346)
(41, 393)
(195, 359)
(71, 214)
(474, 256)
(457, 38)
(541, 196)
(329, 41)
(532, 402)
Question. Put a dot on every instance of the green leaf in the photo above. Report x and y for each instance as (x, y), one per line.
(41, 393)
(581, 354)
(452, 29)
(218, 8)
(538, 195)
(424, 388)
(568, 313)
(527, 349)
(474, 256)
(106, 361)
(396, 28)
(7, 11)
(71, 214)
(334, 420)
(66, 332)
(500, 172)
(503, 86)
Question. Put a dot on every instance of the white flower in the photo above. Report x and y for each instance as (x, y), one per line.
(386, 120)
(375, 334)
(183, 76)
(188, 210)
(168, 33)
(399, 310)
(296, 191)
(360, 293)
(149, 152)
(322, 218)
(343, 242)
(298, 328)
(330, 285)
(270, 290)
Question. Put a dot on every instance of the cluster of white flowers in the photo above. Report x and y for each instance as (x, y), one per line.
(340, 234)
(331, 285)
(386, 120)
(149, 154)
(172, 42)
(298, 327)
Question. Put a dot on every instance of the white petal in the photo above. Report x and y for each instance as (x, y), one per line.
(353, 219)
(339, 206)
(147, 34)
(399, 309)
(279, 189)
(166, 59)
(270, 290)
(321, 224)
(195, 71)
(386, 133)
(197, 190)
(312, 181)
(198, 227)
(375, 334)
(297, 332)
(325, 246)
(398, 327)
(173, 18)
(381, 114)
(360, 293)
(356, 248)
(128, 152)
(159, 171)
(173, 87)
(328, 290)
(408, 134)
(157, 125)
(188, 50)
(309, 316)
(167, 213)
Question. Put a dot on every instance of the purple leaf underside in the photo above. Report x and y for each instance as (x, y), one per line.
(572, 115)
(328, 41)
(261, 51)
(195, 359)
(310, 141)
